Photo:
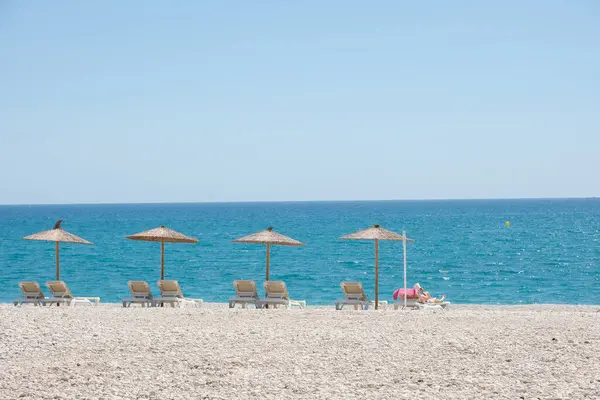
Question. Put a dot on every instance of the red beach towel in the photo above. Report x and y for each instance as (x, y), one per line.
(410, 294)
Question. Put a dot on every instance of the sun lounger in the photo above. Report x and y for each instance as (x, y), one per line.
(354, 295)
(61, 294)
(412, 298)
(434, 306)
(140, 294)
(245, 293)
(170, 293)
(276, 294)
(31, 294)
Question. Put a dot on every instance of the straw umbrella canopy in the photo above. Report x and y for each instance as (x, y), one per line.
(269, 237)
(377, 233)
(57, 235)
(162, 235)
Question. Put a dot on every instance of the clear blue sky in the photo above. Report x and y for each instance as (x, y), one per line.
(151, 101)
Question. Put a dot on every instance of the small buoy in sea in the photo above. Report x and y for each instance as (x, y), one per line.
(507, 224)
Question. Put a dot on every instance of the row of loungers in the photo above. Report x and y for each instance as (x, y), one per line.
(170, 293)
(276, 294)
(60, 294)
(354, 295)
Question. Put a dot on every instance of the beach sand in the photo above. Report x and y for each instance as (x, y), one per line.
(469, 352)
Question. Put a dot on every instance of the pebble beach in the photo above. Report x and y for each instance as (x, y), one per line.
(467, 352)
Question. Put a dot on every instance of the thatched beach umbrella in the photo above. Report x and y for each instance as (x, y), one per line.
(57, 235)
(268, 237)
(162, 235)
(376, 233)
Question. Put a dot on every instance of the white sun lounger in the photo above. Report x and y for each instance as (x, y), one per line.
(31, 294)
(61, 294)
(245, 293)
(140, 294)
(276, 294)
(354, 295)
(412, 302)
(170, 293)
(431, 306)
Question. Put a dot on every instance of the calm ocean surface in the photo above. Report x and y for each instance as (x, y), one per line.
(549, 254)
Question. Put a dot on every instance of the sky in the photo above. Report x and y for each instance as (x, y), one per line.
(197, 101)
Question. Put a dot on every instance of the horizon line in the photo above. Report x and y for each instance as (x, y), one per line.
(294, 201)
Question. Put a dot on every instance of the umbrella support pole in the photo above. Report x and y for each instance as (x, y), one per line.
(404, 248)
(376, 274)
(268, 260)
(268, 264)
(162, 261)
(162, 264)
(57, 262)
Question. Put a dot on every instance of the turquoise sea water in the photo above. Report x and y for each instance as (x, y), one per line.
(549, 254)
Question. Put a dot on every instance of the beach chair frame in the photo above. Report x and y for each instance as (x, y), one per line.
(31, 294)
(170, 293)
(139, 296)
(276, 295)
(355, 298)
(62, 295)
(243, 295)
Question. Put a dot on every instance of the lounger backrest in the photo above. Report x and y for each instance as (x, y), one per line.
(170, 289)
(59, 289)
(353, 291)
(140, 289)
(31, 290)
(245, 289)
(276, 290)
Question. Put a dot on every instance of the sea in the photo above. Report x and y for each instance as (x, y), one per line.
(472, 251)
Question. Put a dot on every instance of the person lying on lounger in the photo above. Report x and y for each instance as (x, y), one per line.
(425, 297)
